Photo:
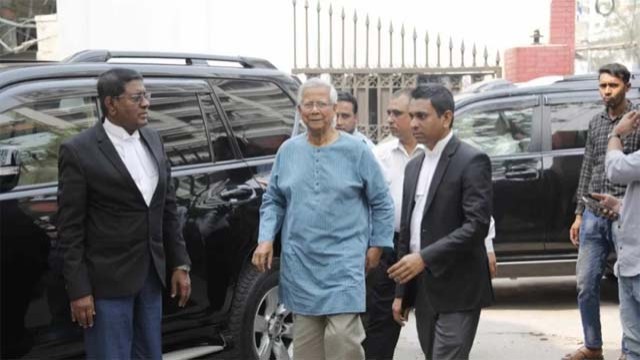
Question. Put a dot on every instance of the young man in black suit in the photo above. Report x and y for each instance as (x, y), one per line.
(118, 225)
(446, 209)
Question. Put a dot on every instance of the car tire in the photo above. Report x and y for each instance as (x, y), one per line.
(259, 324)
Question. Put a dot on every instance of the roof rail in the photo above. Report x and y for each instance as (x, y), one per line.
(104, 56)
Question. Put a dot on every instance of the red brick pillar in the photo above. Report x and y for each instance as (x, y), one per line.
(563, 23)
(528, 62)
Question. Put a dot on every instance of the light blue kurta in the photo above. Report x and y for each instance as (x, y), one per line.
(321, 198)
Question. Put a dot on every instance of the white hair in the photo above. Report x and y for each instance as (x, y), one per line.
(317, 82)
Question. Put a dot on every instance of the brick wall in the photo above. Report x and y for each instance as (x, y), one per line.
(557, 58)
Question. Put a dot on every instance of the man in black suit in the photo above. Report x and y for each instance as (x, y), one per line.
(446, 211)
(118, 225)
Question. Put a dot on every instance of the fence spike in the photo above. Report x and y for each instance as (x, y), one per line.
(342, 17)
(474, 52)
(402, 44)
(355, 39)
(331, 36)
(295, 37)
(486, 56)
(438, 43)
(450, 51)
(379, 40)
(366, 57)
(306, 32)
(415, 48)
(390, 44)
(426, 49)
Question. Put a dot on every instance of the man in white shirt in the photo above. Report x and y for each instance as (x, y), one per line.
(381, 329)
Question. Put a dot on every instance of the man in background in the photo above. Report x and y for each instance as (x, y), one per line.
(590, 231)
(347, 117)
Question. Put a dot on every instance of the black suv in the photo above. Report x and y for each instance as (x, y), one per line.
(535, 136)
(222, 120)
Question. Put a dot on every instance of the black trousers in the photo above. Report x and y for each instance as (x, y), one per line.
(381, 330)
(444, 336)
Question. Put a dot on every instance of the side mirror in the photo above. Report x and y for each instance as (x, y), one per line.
(9, 167)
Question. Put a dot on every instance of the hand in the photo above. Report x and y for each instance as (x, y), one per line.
(398, 315)
(574, 231)
(493, 266)
(407, 268)
(181, 283)
(628, 124)
(263, 256)
(373, 258)
(83, 311)
(611, 205)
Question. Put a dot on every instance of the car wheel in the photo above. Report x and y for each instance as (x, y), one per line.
(261, 327)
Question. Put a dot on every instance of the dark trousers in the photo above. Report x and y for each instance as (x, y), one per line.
(381, 330)
(128, 327)
(444, 336)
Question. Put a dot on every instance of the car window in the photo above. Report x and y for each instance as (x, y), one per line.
(177, 117)
(261, 115)
(220, 141)
(38, 128)
(570, 115)
(502, 129)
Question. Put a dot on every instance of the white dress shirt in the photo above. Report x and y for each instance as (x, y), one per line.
(136, 157)
(431, 159)
(393, 158)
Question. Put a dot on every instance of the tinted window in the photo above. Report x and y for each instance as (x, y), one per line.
(260, 114)
(178, 120)
(501, 129)
(220, 141)
(570, 122)
(37, 129)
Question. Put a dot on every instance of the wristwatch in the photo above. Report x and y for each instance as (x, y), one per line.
(612, 135)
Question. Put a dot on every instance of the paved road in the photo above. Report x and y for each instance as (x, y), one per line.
(533, 319)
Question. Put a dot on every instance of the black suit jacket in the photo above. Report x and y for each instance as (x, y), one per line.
(455, 222)
(106, 229)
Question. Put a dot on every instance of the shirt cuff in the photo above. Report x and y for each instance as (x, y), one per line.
(186, 268)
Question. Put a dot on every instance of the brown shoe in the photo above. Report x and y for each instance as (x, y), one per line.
(584, 353)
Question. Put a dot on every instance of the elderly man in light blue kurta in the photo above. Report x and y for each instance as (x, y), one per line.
(328, 197)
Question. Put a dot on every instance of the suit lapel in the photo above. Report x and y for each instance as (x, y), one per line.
(441, 169)
(411, 177)
(110, 152)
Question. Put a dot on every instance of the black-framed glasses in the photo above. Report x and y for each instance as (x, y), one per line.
(137, 98)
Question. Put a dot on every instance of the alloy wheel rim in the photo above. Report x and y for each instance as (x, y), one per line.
(273, 328)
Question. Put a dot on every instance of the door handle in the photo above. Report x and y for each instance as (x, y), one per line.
(242, 193)
(522, 173)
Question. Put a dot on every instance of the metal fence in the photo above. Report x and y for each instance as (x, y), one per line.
(379, 71)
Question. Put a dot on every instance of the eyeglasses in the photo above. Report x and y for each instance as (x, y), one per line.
(137, 98)
(395, 113)
(320, 105)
